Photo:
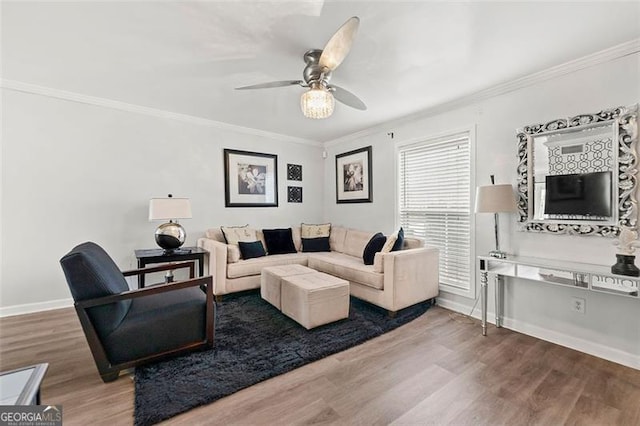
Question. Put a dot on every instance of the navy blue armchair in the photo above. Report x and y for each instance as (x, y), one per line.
(126, 328)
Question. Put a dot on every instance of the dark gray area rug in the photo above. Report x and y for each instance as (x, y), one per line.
(253, 342)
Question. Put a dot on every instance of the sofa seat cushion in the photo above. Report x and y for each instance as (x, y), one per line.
(350, 268)
(159, 323)
(249, 267)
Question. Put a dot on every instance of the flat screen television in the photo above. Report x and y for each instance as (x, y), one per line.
(584, 194)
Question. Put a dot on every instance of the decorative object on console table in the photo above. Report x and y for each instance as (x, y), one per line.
(250, 179)
(353, 176)
(495, 199)
(294, 194)
(170, 235)
(627, 242)
(294, 172)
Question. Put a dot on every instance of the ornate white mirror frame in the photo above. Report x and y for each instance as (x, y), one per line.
(617, 124)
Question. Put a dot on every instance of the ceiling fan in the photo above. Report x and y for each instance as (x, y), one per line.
(318, 101)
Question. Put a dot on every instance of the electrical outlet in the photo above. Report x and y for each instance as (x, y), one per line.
(578, 305)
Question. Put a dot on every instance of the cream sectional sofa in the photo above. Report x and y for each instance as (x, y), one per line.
(396, 280)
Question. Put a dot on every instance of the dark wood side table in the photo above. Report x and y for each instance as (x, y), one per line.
(22, 386)
(149, 256)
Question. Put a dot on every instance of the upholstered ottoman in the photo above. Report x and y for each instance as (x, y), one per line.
(270, 280)
(314, 299)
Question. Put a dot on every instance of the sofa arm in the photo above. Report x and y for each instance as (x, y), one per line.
(411, 276)
(217, 263)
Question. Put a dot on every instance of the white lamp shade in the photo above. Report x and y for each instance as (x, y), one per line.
(495, 199)
(169, 208)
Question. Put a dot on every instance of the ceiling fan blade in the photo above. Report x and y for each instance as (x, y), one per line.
(339, 44)
(347, 98)
(273, 84)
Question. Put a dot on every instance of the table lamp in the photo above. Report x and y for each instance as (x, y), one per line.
(170, 235)
(496, 199)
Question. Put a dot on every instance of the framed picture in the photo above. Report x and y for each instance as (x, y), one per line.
(250, 179)
(353, 176)
(294, 194)
(294, 172)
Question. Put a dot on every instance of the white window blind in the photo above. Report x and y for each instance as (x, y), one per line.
(434, 202)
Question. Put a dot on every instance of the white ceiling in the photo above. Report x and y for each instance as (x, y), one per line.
(186, 57)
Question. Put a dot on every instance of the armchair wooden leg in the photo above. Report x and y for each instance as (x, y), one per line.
(392, 314)
(218, 298)
(109, 377)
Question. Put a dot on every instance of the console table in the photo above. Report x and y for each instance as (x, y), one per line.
(148, 256)
(569, 274)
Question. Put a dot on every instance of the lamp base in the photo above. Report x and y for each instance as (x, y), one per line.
(170, 236)
(625, 266)
(498, 254)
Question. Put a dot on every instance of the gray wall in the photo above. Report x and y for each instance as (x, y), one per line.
(73, 172)
(610, 327)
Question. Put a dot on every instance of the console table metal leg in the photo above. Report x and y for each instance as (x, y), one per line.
(483, 301)
(498, 294)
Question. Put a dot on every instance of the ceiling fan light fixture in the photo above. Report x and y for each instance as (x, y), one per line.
(317, 102)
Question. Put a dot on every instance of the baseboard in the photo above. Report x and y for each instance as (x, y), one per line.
(586, 346)
(29, 308)
(464, 309)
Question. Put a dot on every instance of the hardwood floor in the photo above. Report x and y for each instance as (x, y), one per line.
(436, 370)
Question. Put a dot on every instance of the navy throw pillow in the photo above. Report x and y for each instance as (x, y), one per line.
(374, 245)
(279, 241)
(399, 242)
(252, 249)
(315, 244)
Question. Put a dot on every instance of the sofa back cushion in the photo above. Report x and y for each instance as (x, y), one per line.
(355, 241)
(336, 238)
(215, 234)
(413, 243)
(260, 236)
(233, 253)
(296, 233)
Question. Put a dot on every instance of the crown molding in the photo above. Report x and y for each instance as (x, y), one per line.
(615, 52)
(20, 86)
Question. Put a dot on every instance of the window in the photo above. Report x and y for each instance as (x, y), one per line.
(435, 203)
